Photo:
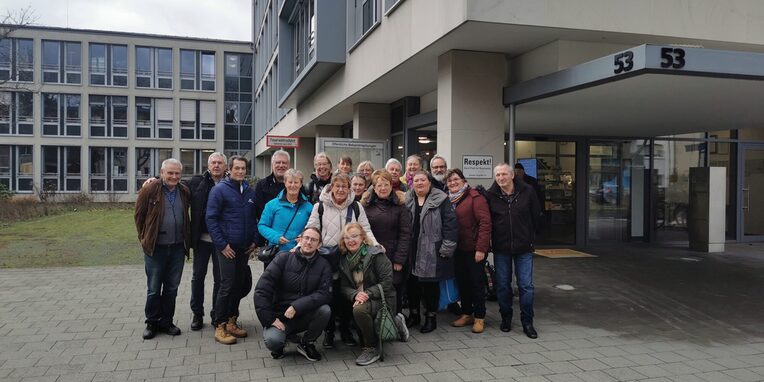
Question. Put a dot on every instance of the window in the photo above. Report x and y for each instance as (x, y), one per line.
(197, 70)
(108, 116)
(108, 169)
(153, 67)
(197, 119)
(147, 163)
(363, 15)
(16, 168)
(153, 118)
(61, 115)
(108, 64)
(61, 62)
(303, 21)
(16, 111)
(390, 4)
(237, 133)
(16, 60)
(61, 168)
(194, 161)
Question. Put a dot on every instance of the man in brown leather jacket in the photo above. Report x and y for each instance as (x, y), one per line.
(164, 230)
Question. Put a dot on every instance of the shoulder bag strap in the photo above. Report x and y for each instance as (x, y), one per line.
(296, 210)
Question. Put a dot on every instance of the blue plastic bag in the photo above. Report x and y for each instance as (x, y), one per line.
(449, 293)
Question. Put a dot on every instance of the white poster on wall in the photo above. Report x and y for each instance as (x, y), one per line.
(477, 166)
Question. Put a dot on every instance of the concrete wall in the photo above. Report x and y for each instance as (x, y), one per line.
(371, 121)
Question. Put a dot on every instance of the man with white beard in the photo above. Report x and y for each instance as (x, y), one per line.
(438, 169)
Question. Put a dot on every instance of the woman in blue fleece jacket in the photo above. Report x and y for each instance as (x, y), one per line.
(278, 213)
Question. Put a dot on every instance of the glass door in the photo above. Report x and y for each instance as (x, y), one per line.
(752, 192)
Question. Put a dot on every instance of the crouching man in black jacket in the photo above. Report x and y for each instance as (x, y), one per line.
(293, 296)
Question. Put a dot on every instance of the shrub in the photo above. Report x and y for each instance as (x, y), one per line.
(5, 193)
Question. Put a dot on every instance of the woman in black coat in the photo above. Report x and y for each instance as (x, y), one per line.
(390, 222)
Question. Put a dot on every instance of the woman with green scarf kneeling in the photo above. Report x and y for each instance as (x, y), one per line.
(362, 268)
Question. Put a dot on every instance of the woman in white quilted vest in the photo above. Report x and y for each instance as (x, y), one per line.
(336, 208)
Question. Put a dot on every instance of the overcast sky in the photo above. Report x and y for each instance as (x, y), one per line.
(218, 19)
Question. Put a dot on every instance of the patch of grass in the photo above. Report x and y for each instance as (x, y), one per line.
(81, 238)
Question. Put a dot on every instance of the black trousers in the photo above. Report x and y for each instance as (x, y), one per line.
(471, 282)
(233, 274)
(203, 251)
(423, 292)
(342, 310)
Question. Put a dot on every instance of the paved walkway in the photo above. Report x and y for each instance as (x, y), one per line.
(636, 313)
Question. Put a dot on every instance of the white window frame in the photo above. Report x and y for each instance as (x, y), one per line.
(61, 176)
(110, 176)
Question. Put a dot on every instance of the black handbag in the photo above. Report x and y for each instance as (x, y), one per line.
(268, 252)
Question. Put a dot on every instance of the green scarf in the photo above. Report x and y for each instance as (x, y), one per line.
(355, 260)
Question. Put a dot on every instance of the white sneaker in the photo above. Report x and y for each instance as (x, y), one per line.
(403, 330)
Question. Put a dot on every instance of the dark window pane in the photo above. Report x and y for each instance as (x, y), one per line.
(164, 61)
(119, 81)
(143, 82)
(73, 55)
(50, 130)
(120, 131)
(231, 64)
(97, 161)
(25, 184)
(73, 78)
(25, 52)
(50, 184)
(187, 84)
(50, 76)
(25, 128)
(73, 130)
(119, 58)
(72, 185)
(50, 55)
(142, 59)
(232, 84)
(165, 133)
(73, 161)
(165, 83)
(97, 58)
(49, 159)
(208, 134)
(143, 132)
(97, 185)
(187, 62)
(245, 85)
(186, 134)
(50, 106)
(208, 85)
(245, 65)
(120, 185)
(97, 131)
(25, 104)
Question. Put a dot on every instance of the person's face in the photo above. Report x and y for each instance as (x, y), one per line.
(358, 185)
(345, 167)
(454, 183)
(353, 239)
(383, 188)
(216, 165)
(170, 175)
(322, 166)
(421, 184)
(504, 176)
(238, 170)
(340, 191)
(519, 172)
(439, 167)
(309, 241)
(412, 165)
(365, 171)
(279, 165)
(292, 185)
(394, 170)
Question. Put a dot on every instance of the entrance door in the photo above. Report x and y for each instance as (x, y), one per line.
(752, 192)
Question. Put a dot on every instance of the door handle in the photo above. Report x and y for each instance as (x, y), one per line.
(747, 199)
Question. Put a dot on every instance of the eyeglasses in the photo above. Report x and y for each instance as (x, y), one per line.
(352, 237)
(339, 187)
(311, 239)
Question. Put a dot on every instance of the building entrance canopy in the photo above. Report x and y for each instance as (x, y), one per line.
(647, 90)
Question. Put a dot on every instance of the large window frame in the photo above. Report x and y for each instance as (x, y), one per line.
(148, 162)
(153, 118)
(363, 17)
(151, 67)
(17, 60)
(108, 116)
(197, 70)
(108, 64)
(61, 115)
(17, 168)
(108, 170)
(198, 120)
(16, 113)
(61, 62)
(61, 168)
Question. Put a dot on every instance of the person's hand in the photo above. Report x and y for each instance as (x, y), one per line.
(148, 181)
(251, 248)
(283, 240)
(360, 298)
(397, 267)
(278, 325)
(479, 256)
(228, 252)
(290, 312)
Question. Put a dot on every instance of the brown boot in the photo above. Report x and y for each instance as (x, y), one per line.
(478, 326)
(463, 320)
(234, 329)
(222, 336)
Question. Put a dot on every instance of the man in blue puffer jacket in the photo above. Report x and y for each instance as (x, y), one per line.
(232, 225)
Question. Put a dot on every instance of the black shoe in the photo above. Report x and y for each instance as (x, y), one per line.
(454, 308)
(347, 338)
(328, 340)
(170, 330)
(530, 331)
(413, 319)
(149, 332)
(309, 352)
(506, 324)
(197, 322)
(277, 354)
(430, 324)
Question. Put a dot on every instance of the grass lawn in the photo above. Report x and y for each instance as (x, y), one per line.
(82, 238)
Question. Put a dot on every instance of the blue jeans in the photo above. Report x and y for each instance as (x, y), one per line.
(524, 274)
(163, 272)
(202, 254)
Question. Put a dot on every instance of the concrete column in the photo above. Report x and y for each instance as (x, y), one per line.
(371, 121)
(470, 108)
(303, 157)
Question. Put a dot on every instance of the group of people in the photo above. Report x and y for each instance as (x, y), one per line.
(349, 245)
